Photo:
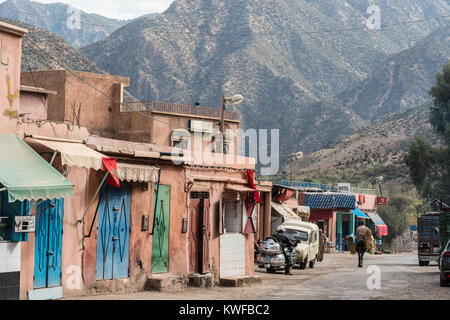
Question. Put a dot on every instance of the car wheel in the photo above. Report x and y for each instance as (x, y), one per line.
(271, 270)
(304, 263)
(421, 263)
(426, 263)
(311, 264)
(444, 283)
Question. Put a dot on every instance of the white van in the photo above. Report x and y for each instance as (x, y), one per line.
(307, 250)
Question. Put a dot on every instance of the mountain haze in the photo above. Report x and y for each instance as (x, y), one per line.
(34, 59)
(60, 50)
(54, 17)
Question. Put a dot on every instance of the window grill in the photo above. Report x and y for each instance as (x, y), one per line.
(199, 195)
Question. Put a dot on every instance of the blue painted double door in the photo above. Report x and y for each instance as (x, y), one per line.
(49, 226)
(113, 233)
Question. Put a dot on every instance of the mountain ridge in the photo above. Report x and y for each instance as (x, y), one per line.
(375, 150)
(271, 52)
(60, 19)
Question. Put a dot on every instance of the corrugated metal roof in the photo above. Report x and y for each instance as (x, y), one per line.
(329, 200)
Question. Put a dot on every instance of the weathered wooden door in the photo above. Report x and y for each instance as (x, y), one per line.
(160, 248)
(206, 232)
(199, 234)
(113, 233)
(194, 209)
(49, 226)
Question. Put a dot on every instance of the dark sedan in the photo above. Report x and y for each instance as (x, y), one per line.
(444, 266)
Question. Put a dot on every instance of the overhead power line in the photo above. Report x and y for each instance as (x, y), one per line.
(92, 86)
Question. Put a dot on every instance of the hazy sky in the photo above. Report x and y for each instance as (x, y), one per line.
(119, 9)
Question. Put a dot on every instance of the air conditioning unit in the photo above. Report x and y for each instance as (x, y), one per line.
(344, 187)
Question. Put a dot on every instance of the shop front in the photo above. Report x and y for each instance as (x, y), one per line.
(346, 224)
(327, 211)
(32, 199)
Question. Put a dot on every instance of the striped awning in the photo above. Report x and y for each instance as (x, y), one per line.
(73, 153)
(381, 227)
(375, 217)
(137, 173)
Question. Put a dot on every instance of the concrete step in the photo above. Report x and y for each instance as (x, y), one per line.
(166, 282)
(241, 281)
(207, 280)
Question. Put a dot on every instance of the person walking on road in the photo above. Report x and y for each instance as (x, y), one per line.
(322, 242)
(286, 242)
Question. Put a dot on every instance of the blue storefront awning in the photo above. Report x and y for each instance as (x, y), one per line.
(360, 214)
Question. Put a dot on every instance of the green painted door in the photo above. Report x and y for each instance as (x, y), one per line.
(160, 251)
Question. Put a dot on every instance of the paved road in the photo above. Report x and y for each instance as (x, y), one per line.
(337, 277)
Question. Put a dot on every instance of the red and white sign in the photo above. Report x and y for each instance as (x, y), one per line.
(381, 201)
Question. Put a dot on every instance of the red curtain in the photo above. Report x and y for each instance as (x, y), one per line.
(249, 207)
(362, 198)
(251, 182)
(317, 215)
(111, 166)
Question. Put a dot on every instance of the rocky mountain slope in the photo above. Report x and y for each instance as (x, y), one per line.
(402, 80)
(375, 150)
(56, 18)
(289, 59)
(34, 59)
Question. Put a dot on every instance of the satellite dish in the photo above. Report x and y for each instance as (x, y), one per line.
(237, 99)
(299, 155)
(380, 178)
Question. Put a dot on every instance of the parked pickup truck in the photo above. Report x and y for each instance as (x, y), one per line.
(307, 250)
(428, 237)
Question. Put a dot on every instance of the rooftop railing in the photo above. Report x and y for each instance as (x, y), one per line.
(363, 190)
(175, 108)
(321, 186)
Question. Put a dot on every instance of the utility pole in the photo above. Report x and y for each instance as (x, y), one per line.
(292, 166)
(293, 156)
(222, 124)
(235, 100)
